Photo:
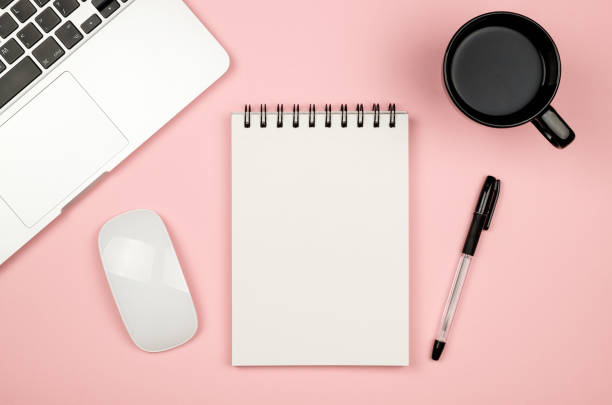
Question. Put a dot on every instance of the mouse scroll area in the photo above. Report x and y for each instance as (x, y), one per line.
(147, 281)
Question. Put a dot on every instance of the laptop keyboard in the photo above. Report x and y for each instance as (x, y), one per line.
(36, 34)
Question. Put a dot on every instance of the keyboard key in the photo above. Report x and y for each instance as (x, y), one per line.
(29, 35)
(48, 52)
(17, 79)
(106, 7)
(11, 51)
(23, 10)
(2, 67)
(91, 23)
(41, 2)
(66, 7)
(4, 3)
(69, 35)
(7, 25)
(47, 19)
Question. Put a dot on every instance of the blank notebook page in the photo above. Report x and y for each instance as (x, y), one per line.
(320, 242)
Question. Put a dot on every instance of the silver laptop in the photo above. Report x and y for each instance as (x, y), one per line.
(83, 83)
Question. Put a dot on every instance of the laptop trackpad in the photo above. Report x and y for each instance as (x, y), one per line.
(52, 147)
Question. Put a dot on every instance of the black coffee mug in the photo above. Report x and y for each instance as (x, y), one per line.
(502, 69)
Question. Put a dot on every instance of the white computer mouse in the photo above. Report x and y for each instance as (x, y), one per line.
(147, 281)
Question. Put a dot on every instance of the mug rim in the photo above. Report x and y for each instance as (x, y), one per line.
(453, 44)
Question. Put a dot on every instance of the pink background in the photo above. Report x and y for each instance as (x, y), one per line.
(534, 323)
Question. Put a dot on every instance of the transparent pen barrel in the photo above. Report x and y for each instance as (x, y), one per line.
(453, 296)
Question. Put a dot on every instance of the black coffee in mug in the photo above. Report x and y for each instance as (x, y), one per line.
(502, 70)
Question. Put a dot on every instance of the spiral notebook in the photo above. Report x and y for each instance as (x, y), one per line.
(320, 237)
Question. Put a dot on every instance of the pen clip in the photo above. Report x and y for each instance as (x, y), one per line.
(491, 204)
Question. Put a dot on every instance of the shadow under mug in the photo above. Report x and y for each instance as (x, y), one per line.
(502, 70)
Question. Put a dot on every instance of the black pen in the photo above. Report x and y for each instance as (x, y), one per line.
(481, 221)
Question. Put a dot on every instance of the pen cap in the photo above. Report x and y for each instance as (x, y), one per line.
(488, 200)
(483, 214)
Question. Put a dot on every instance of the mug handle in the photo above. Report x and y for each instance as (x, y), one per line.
(552, 126)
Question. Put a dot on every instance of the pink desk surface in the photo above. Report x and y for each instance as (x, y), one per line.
(534, 325)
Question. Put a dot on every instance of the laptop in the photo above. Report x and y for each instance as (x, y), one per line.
(83, 83)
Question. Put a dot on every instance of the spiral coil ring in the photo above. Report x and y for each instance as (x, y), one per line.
(376, 110)
(328, 115)
(279, 115)
(296, 115)
(263, 119)
(359, 115)
(312, 109)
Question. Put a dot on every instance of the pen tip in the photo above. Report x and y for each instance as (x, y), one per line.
(438, 347)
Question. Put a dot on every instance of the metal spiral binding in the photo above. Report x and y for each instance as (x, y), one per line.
(312, 110)
(279, 115)
(263, 118)
(247, 116)
(344, 115)
(392, 115)
(328, 115)
(376, 110)
(296, 115)
(359, 115)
